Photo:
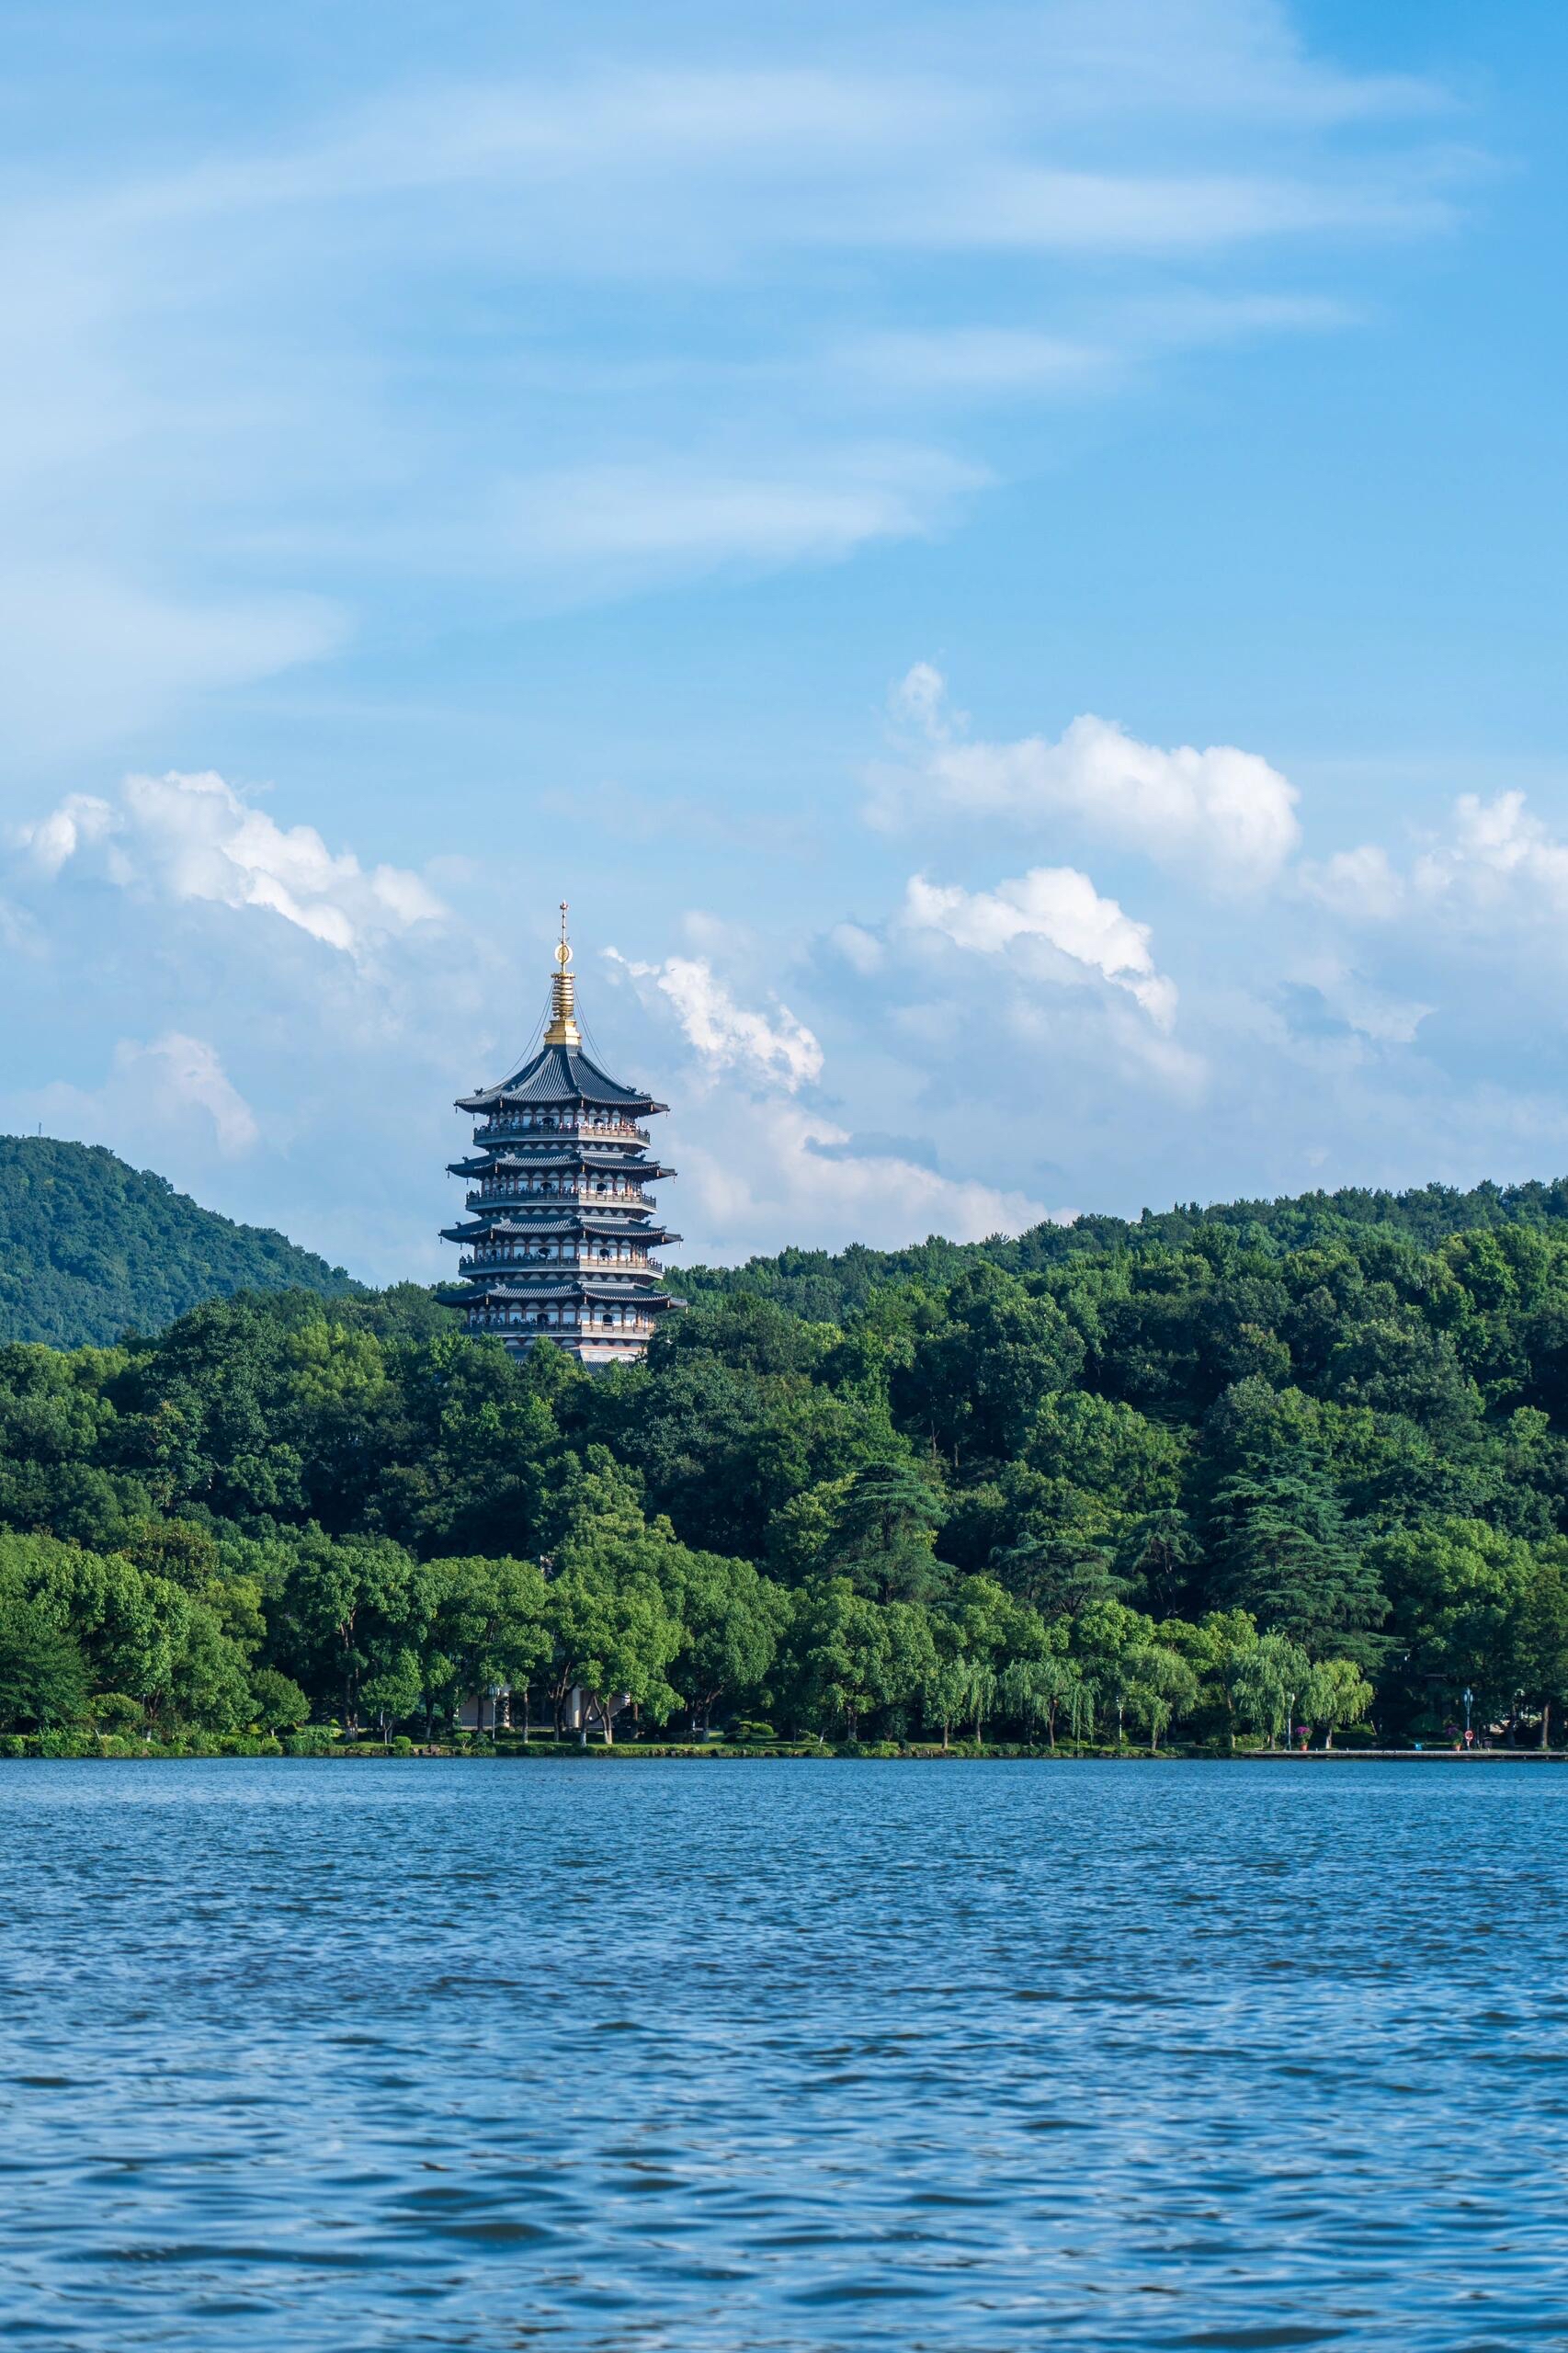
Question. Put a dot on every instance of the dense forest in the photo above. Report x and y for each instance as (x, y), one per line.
(820, 1284)
(1212, 1478)
(90, 1248)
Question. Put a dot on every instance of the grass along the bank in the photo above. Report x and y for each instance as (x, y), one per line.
(74, 1746)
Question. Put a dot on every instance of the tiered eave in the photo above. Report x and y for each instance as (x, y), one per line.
(560, 1232)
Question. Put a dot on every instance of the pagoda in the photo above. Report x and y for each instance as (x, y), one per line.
(561, 1226)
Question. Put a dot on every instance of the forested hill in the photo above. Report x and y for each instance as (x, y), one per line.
(821, 1285)
(1206, 1477)
(90, 1248)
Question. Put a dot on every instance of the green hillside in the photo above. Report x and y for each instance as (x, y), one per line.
(90, 1248)
(821, 1285)
(1208, 1476)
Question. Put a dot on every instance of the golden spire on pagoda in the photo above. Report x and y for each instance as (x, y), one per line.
(563, 1030)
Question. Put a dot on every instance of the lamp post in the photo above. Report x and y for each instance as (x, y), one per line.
(1467, 1695)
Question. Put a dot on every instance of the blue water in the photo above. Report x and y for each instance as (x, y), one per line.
(783, 2055)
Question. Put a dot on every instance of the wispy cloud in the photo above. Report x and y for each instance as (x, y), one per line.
(609, 525)
(247, 461)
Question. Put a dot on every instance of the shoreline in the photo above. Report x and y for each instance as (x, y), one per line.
(122, 1753)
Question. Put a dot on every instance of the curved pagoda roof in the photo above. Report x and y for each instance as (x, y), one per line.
(560, 1073)
(557, 1184)
(649, 1237)
(519, 1291)
(554, 1162)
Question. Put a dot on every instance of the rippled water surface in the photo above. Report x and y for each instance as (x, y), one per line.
(783, 2055)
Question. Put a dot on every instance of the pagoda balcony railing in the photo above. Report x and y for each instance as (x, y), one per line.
(517, 1123)
(489, 1261)
(581, 1323)
(506, 1188)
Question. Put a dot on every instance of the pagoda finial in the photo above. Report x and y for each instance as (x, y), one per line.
(563, 1030)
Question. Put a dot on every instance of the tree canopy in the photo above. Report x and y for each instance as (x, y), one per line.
(1214, 1475)
(90, 1248)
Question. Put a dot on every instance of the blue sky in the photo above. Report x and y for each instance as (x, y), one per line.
(1005, 558)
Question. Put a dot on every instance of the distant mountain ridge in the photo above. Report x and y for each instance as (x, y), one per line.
(91, 1247)
(821, 1285)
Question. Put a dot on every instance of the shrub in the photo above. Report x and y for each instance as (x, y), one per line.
(314, 1740)
(115, 1712)
(66, 1744)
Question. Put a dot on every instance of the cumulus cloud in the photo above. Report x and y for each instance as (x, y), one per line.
(859, 948)
(1056, 910)
(1223, 814)
(773, 1049)
(1498, 856)
(788, 1170)
(1495, 865)
(1359, 883)
(1372, 1012)
(195, 837)
(150, 1096)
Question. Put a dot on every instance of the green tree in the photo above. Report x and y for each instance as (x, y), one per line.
(1161, 1685)
(1461, 1592)
(730, 1616)
(43, 1681)
(1109, 1640)
(277, 1702)
(884, 1534)
(945, 1694)
(615, 1638)
(1336, 1694)
(1036, 1690)
(976, 1383)
(394, 1692)
(1270, 1681)
(848, 1654)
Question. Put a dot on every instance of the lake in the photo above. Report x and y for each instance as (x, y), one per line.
(805, 2055)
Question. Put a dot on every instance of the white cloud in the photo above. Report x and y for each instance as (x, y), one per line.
(189, 1070)
(1374, 1012)
(783, 1170)
(992, 362)
(606, 524)
(1499, 857)
(676, 165)
(776, 1049)
(147, 1102)
(81, 822)
(921, 697)
(1056, 909)
(974, 359)
(91, 652)
(1212, 59)
(1360, 883)
(1025, 206)
(859, 948)
(1224, 813)
(195, 837)
(1495, 867)
(193, 410)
